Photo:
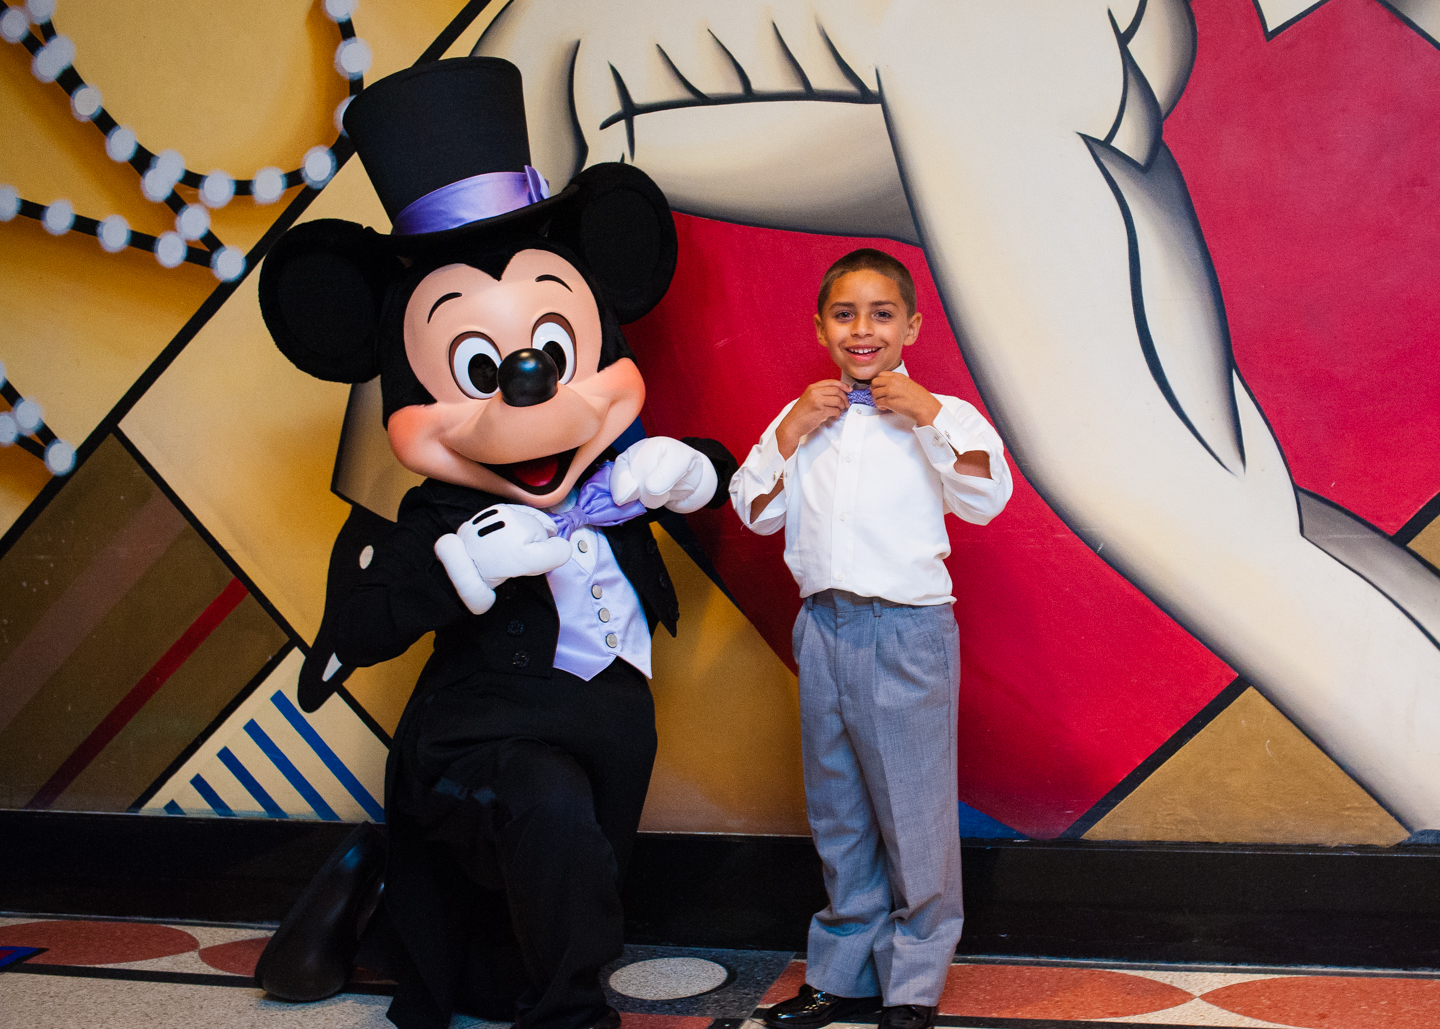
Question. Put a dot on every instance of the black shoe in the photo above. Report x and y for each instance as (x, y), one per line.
(812, 1008)
(907, 1016)
(312, 954)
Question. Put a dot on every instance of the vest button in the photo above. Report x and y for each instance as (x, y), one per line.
(604, 614)
(611, 640)
(596, 591)
(582, 546)
(516, 627)
(521, 659)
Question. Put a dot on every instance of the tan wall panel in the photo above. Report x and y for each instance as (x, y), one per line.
(728, 714)
(1250, 776)
(1427, 543)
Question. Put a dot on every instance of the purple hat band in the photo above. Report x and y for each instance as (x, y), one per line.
(471, 200)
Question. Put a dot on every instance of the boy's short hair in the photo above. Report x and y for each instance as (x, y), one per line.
(869, 259)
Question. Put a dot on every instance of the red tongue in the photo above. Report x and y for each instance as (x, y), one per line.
(538, 472)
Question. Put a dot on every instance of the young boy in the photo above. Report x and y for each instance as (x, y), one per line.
(860, 471)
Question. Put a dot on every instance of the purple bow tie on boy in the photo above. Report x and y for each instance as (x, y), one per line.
(861, 395)
(595, 506)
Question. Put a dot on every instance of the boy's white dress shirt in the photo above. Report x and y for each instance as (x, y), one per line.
(865, 498)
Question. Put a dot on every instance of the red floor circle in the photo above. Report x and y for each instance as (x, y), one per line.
(97, 943)
(237, 957)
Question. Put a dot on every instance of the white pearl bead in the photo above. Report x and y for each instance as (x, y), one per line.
(217, 189)
(14, 26)
(170, 250)
(318, 166)
(85, 103)
(353, 57)
(53, 58)
(60, 458)
(120, 143)
(340, 10)
(228, 264)
(28, 415)
(58, 217)
(268, 185)
(113, 234)
(9, 203)
(193, 221)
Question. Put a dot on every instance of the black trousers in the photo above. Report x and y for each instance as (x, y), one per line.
(533, 788)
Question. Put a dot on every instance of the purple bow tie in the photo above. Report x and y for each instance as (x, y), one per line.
(861, 396)
(595, 506)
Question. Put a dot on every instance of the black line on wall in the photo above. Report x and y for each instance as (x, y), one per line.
(1417, 524)
(1151, 764)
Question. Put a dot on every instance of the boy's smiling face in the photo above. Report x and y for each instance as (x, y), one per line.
(865, 325)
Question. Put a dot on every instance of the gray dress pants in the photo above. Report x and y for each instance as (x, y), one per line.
(879, 685)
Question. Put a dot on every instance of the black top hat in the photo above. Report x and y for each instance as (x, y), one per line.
(466, 116)
(447, 150)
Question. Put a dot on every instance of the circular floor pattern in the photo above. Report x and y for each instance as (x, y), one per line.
(97, 943)
(668, 978)
(237, 957)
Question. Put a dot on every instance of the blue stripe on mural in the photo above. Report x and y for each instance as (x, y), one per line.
(172, 808)
(251, 784)
(347, 778)
(290, 772)
(207, 792)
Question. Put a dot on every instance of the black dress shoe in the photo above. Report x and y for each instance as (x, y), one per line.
(312, 954)
(812, 1008)
(907, 1016)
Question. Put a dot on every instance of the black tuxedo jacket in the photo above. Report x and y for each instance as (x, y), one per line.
(405, 592)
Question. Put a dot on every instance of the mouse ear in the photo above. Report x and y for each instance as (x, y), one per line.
(619, 223)
(322, 289)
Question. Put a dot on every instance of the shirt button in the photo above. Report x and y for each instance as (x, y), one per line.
(842, 517)
(611, 640)
(596, 591)
(516, 627)
(604, 614)
(583, 547)
(521, 659)
(839, 577)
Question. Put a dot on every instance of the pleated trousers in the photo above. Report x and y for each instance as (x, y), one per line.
(879, 686)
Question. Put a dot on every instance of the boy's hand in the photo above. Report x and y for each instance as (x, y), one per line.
(903, 395)
(820, 402)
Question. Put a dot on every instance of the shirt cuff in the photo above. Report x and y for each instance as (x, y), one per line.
(762, 471)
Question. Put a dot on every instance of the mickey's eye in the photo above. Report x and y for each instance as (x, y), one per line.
(553, 334)
(475, 364)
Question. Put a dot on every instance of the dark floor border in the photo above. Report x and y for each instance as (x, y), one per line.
(1361, 907)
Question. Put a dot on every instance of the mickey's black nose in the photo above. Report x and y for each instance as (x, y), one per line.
(528, 377)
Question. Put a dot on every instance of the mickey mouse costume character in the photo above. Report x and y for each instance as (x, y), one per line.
(518, 771)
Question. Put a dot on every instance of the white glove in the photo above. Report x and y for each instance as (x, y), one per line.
(499, 543)
(663, 471)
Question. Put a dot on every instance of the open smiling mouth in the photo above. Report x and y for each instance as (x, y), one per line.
(538, 476)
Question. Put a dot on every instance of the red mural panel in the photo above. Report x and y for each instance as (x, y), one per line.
(1312, 163)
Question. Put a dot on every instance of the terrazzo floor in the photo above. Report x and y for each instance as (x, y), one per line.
(119, 975)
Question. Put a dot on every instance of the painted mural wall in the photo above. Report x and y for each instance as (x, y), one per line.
(1182, 254)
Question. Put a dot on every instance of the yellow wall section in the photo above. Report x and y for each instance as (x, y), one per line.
(1250, 776)
(728, 714)
(238, 85)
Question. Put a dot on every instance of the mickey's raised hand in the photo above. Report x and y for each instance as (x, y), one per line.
(499, 543)
(661, 471)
